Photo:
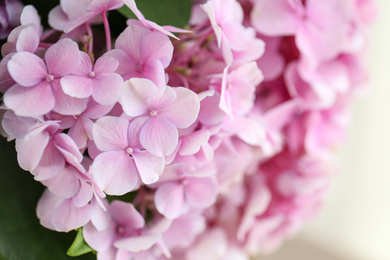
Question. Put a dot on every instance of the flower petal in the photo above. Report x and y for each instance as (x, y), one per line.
(149, 166)
(77, 86)
(169, 200)
(134, 95)
(110, 133)
(135, 244)
(63, 57)
(159, 136)
(65, 104)
(107, 88)
(200, 192)
(115, 173)
(184, 111)
(33, 101)
(27, 69)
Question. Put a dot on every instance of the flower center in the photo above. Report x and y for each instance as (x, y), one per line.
(129, 150)
(92, 74)
(49, 78)
(153, 112)
(120, 230)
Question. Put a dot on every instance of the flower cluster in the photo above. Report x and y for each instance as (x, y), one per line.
(214, 143)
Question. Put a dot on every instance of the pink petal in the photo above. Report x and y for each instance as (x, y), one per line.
(100, 218)
(47, 205)
(28, 40)
(27, 69)
(84, 195)
(159, 136)
(130, 41)
(65, 104)
(99, 239)
(110, 133)
(156, 46)
(115, 173)
(37, 143)
(67, 217)
(84, 68)
(134, 95)
(33, 101)
(58, 19)
(162, 98)
(184, 111)
(134, 131)
(68, 148)
(66, 184)
(63, 57)
(127, 67)
(125, 214)
(106, 64)
(149, 166)
(17, 127)
(169, 200)
(210, 113)
(136, 244)
(107, 88)
(78, 134)
(6, 80)
(99, 6)
(154, 71)
(200, 192)
(275, 18)
(191, 143)
(77, 86)
(95, 111)
(30, 15)
(77, 21)
(52, 162)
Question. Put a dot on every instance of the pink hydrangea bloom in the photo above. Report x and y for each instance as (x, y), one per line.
(124, 161)
(39, 80)
(162, 110)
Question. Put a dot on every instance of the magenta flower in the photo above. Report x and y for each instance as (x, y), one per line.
(38, 89)
(124, 161)
(162, 110)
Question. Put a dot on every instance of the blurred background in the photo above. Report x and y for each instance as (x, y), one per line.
(354, 223)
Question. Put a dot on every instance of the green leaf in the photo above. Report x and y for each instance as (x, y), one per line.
(79, 246)
(162, 12)
(21, 235)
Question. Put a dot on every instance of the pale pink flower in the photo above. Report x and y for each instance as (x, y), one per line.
(61, 214)
(182, 188)
(123, 160)
(98, 80)
(125, 235)
(38, 90)
(163, 111)
(142, 53)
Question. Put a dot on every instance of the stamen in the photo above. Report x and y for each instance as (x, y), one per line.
(153, 112)
(49, 78)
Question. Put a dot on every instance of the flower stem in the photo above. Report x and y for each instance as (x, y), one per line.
(90, 35)
(107, 29)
